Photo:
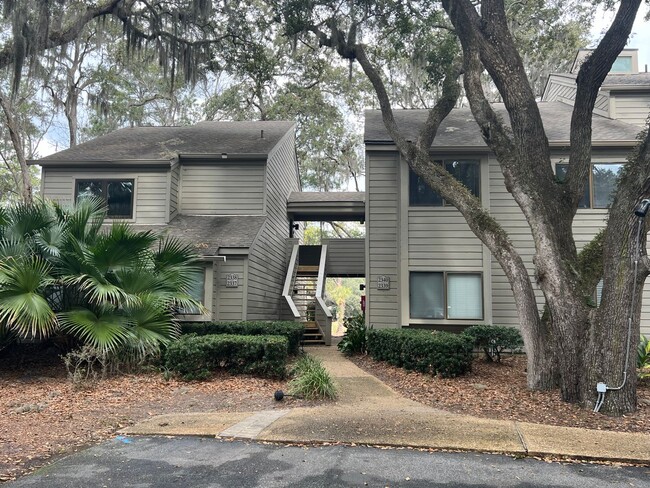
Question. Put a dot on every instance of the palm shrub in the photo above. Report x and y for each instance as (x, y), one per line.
(643, 358)
(62, 271)
(354, 339)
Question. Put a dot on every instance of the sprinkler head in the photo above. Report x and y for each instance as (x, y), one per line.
(642, 208)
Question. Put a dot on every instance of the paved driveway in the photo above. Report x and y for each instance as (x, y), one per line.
(203, 462)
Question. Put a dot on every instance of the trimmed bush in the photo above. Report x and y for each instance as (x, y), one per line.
(312, 381)
(354, 339)
(438, 353)
(194, 356)
(291, 330)
(494, 339)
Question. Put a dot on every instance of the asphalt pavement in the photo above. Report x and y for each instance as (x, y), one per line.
(143, 462)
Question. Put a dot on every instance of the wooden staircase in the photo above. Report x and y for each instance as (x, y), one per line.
(304, 292)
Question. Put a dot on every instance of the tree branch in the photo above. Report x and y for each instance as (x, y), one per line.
(590, 78)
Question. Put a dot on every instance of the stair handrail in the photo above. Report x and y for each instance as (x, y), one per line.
(288, 282)
(321, 306)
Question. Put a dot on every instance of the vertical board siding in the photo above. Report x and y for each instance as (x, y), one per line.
(222, 189)
(632, 108)
(382, 209)
(267, 258)
(345, 257)
(150, 206)
(228, 303)
(174, 188)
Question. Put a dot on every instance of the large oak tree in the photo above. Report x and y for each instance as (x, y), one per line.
(573, 344)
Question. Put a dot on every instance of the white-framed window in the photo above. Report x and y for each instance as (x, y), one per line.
(117, 193)
(599, 191)
(467, 171)
(442, 295)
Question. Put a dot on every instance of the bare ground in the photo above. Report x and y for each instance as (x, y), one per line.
(498, 391)
(43, 415)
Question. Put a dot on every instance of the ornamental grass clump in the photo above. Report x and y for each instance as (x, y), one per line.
(311, 380)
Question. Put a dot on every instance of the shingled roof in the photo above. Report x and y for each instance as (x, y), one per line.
(459, 129)
(210, 234)
(166, 143)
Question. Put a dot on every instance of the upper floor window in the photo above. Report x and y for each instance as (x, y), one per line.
(467, 171)
(602, 183)
(118, 195)
(623, 64)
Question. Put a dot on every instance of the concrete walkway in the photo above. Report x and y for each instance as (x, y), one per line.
(369, 412)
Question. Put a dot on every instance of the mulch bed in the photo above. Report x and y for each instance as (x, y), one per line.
(43, 415)
(498, 391)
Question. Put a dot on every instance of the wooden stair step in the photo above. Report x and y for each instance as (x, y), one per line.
(305, 270)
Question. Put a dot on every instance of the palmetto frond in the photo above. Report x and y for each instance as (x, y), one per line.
(25, 220)
(183, 301)
(151, 322)
(141, 280)
(12, 247)
(178, 263)
(85, 220)
(106, 330)
(121, 247)
(23, 308)
(50, 240)
(100, 291)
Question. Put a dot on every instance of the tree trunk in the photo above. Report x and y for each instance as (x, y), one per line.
(16, 140)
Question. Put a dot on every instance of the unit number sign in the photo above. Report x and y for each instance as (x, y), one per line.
(232, 280)
(383, 282)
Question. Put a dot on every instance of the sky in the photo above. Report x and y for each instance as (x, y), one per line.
(640, 38)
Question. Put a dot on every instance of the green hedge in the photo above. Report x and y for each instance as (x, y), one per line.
(438, 353)
(494, 339)
(291, 330)
(194, 356)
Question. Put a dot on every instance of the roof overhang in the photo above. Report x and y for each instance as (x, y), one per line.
(326, 211)
(197, 159)
(121, 163)
(390, 146)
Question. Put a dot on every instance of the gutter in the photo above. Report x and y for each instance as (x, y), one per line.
(224, 157)
(104, 163)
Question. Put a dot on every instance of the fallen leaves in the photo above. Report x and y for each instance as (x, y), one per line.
(499, 391)
(42, 415)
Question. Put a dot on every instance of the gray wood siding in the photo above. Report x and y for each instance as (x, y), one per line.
(382, 212)
(503, 207)
(228, 303)
(174, 187)
(631, 108)
(564, 90)
(440, 239)
(267, 266)
(150, 206)
(345, 257)
(222, 189)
